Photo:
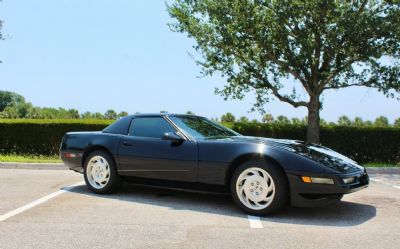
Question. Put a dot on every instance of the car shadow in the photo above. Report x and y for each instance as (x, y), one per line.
(341, 214)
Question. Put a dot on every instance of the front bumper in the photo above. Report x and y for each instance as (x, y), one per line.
(315, 194)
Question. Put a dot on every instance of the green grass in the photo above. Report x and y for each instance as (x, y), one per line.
(377, 165)
(56, 159)
(57, 121)
(29, 158)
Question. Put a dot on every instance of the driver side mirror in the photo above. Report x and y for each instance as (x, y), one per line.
(172, 136)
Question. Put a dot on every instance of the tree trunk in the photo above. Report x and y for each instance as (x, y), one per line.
(313, 120)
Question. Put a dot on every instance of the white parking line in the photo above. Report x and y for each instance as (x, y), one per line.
(28, 206)
(379, 180)
(375, 180)
(254, 221)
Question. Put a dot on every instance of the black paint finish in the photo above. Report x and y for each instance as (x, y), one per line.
(210, 161)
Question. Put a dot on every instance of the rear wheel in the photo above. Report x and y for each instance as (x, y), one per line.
(259, 188)
(101, 174)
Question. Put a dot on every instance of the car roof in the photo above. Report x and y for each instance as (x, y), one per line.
(162, 115)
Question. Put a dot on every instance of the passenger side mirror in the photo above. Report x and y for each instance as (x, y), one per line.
(172, 136)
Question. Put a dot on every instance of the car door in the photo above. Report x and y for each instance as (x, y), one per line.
(143, 153)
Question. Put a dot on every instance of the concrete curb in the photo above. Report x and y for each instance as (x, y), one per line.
(47, 166)
(61, 166)
(383, 170)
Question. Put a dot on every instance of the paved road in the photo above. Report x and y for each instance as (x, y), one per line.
(145, 217)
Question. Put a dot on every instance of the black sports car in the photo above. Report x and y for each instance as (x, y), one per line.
(262, 174)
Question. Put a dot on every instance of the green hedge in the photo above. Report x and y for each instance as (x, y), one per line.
(40, 137)
(363, 144)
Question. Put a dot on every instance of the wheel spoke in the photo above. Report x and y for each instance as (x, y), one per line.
(98, 172)
(270, 187)
(255, 188)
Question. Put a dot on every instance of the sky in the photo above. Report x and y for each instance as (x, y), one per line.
(95, 55)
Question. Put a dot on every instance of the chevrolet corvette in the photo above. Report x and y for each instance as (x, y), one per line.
(262, 174)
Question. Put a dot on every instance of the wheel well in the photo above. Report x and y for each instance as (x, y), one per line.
(94, 148)
(248, 157)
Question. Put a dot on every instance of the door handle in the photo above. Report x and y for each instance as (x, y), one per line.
(126, 143)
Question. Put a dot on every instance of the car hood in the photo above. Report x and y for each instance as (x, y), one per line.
(320, 154)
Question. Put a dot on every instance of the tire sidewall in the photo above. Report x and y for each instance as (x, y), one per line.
(281, 187)
(114, 181)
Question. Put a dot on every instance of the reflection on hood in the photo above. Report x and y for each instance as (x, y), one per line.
(320, 154)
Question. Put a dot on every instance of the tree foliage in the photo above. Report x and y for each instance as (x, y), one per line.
(397, 122)
(344, 120)
(110, 114)
(294, 50)
(381, 121)
(228, 117)
(243, 119)
(10, 99)
(122, 114)
(13, 106)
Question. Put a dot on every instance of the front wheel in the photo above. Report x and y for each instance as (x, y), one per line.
(259, 188)
(100, 173)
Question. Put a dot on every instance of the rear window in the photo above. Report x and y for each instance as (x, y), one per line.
(121, 126)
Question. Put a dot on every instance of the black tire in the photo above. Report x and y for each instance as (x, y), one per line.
(281, 195)
(114, 182)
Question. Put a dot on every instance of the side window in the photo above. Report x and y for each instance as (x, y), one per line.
(149, 127)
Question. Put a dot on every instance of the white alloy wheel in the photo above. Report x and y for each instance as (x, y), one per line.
(255, 188)
(98, 172)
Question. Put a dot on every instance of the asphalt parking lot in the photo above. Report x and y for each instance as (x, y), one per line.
(37, 211)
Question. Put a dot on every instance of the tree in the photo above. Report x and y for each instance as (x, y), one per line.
(317, 44)
(267, 118)
(397, 123)
(163, 111)
(282, 120)
(296, 121)
(9, 98)
(228, 117)
(215, 120)
(35, 113)
(122, 114)
(73, 113)
(344, 121)
(368, 123)
(97, 115)
(358, 122)
(18, 110)
(110, 114)
(322, 122)
(381, 121)
(190, 113)
(243, 119)
(10, 112)
(87, 115)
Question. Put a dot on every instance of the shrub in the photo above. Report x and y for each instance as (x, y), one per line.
(362, 144)
(41, 137)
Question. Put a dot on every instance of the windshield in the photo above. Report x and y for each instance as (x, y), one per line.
(198, 127)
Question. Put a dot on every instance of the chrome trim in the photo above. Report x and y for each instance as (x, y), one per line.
(152, 170)
(181, 132)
